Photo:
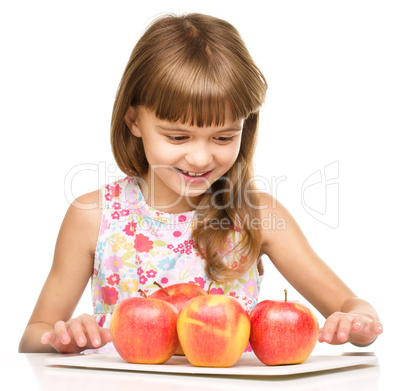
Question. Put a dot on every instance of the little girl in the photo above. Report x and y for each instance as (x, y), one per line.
(184, 129)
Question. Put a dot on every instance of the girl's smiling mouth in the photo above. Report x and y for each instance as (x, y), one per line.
(192, 175)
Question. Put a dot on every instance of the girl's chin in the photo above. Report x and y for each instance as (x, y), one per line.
(193, 193)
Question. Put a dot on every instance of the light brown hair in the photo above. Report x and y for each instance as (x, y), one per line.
(196, 69)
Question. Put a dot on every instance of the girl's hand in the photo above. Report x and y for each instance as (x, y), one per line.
(356, 328)
(76, 335)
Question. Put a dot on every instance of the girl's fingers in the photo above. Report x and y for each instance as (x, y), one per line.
(48, 337)
(77, 332)
(92, 330)
(105, 334)
(330, 327)
(62, 333)
(345, 326)
(52, 339)
(358, 324)
(340, 328)
(377, 327)
(86, 331)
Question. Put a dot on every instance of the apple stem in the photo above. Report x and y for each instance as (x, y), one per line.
(160, 286)
(209, 288)
(141, 291)
(286, 295)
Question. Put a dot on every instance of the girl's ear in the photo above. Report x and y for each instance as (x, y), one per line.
(131, 120)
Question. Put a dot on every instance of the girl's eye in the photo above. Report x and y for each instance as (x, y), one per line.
(224, 139)
(177, 139)
(180, 139)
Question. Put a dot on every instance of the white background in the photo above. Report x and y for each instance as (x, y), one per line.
(334, 98)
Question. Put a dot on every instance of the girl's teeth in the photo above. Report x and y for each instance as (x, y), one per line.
(192, 173)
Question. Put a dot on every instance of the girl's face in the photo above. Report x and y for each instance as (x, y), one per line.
(183, 160)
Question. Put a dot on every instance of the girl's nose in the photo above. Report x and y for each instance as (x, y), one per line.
(199, 157)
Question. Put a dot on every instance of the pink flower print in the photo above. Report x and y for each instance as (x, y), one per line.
(142, 243)
(140, 271)
(108, 197)
(110, 295)
(151, 273)
(97, 292)
(101, 320)
(216, 291)
(107, 187)
(113, 279)
(248, 348)
(115, 215)
(115, 190)
(130, 228)
(124, 212)
(116, 205)
(170, 246)
(113, 263)
(104, 225)
(136, 211)
(143, 280)
(199, 281)
(249, 287)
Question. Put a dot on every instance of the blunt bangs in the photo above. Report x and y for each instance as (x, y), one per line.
(198, 80)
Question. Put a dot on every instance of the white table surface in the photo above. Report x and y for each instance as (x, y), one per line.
(29, 371)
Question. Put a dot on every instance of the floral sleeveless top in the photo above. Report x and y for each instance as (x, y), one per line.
(138, 245)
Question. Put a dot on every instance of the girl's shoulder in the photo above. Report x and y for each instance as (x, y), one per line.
(279, 229)
(84, 215)
(120, 193)
(268, 204)
(275, 219)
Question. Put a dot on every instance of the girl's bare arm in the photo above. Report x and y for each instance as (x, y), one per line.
(349, 319)
(50, 327)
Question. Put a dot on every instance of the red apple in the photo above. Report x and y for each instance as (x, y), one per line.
(178, 295)
(282, 332)
(213, 330)
(144, 330)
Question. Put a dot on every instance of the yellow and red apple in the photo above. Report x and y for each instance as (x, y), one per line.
(144, 330)
(213, 330)
(282, 332)
(178, 295)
